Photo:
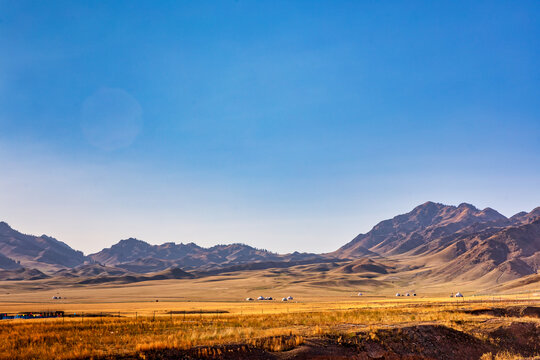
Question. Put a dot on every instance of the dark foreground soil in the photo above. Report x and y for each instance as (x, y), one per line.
(417, 342)
(514, 311)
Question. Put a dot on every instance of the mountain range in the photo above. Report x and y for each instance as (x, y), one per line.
(433, 241)
(456, 242)
(141, 257)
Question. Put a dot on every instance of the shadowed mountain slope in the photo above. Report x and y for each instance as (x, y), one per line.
(174, 273)
(89, 270)
(507, 254)
(22, 274)
(459, 243)
(37, 251)
(363, 265)
(7, 263)
(425, 223)
(524, 217)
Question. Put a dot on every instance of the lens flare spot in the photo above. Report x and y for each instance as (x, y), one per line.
(111, 119)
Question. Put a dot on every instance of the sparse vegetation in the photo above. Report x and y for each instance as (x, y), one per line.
(71, 338)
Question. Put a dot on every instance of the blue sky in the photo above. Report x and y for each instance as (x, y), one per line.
(283, 125)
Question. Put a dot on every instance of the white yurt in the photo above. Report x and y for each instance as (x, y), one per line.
(458, 294)
(260, 298)
(360, 294)
(289, 298)
(398, 294)
(284, 299)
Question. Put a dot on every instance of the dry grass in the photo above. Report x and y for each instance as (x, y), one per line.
(276, 326)
(276, 331)
(327, 305)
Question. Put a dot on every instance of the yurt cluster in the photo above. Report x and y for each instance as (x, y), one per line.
(268, 298)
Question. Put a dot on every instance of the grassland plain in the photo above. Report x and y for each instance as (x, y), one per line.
(307, 327)
(209, 318)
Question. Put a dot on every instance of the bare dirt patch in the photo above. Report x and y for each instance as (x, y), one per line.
(514, 311)
(421, 342)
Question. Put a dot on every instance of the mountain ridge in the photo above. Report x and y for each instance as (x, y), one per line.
(139, 256)
(37, 251)
(426, 221)
(457, 242)
(50, 255)
(442, 242)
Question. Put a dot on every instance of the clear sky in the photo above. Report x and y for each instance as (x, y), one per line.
(284, 125)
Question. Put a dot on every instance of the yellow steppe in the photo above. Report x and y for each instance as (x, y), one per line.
(225, 316)
(227, 295)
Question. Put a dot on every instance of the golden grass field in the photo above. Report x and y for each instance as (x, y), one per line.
(127, 320)
(69, 338)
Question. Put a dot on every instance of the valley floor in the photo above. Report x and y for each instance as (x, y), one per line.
(196, 319)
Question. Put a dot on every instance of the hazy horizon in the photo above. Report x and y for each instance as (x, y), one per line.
(284, 126)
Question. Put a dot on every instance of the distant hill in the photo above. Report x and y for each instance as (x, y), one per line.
(169, 274)
(89, 270)
(138, 256)
(21, 274)
(42, 252)
(127, 256)
(363, 265)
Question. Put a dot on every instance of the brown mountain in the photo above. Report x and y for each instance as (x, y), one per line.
(496, 256)
(169, 274)
(432, 244)
(424, 224)
(22, 274)
(524, 217)
(41, 252)
(89, 270)
(457, 243)
(7, 263)
(138, 256)
(133, 256)
(363, 265)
